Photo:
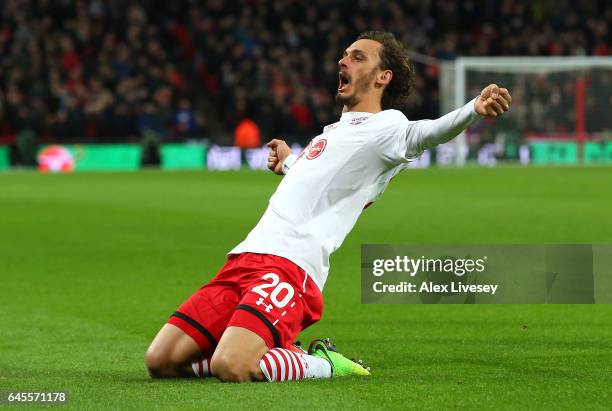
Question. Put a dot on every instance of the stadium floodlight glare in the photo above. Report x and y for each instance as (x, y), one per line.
(558, 98)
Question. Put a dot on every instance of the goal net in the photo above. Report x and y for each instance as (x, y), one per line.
(561, 111)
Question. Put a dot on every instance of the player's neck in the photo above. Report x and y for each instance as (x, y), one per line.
(364, 106)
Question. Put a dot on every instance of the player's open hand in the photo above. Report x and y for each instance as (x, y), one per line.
(493, 101)
(279, 150)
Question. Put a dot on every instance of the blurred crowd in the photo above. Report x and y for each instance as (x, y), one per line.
(94, 71)
(121, 70)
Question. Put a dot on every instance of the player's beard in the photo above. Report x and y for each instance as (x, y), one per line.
(360, 87)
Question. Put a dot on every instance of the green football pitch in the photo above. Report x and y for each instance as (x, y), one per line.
(91, 265)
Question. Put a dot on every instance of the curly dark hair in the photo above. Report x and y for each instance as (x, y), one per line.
(394, 57)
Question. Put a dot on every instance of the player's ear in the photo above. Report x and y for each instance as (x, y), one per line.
(385, 77)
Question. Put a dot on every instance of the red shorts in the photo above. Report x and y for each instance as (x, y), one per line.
(266, 294)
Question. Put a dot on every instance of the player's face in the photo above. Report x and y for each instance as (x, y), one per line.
(357, 71)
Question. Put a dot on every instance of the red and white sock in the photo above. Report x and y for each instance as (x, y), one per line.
(201, 367)
(281, 364)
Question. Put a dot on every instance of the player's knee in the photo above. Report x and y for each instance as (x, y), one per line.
(157, 362)
(226, 369)
(230, 369)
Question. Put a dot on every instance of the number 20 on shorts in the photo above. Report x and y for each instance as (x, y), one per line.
(276, 292)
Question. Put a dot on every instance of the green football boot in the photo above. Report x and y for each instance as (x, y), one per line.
(340, 365)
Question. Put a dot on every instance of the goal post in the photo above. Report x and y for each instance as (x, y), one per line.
(561, 112)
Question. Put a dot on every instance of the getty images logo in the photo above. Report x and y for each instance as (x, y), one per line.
(412, 266)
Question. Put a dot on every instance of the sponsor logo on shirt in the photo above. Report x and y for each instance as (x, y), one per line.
(315, 149)
(358, 120)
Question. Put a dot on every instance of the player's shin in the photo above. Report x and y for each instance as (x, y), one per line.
(281, 364)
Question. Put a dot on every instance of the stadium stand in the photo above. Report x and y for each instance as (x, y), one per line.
(107, 71)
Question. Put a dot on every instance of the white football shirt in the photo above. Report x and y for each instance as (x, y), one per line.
(341, 171)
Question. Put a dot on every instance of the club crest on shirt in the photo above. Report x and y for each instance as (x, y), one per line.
(315, 150)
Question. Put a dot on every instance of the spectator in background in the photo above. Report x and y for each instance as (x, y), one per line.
(301, 114)
(26, 140)
(98, 109)
(153, 131)
(247, 134)
(185, 120)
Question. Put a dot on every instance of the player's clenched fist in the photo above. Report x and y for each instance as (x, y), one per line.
(279, 150)
(493, 101)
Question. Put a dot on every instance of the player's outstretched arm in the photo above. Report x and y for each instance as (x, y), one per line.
(493, 101)
(279, 154)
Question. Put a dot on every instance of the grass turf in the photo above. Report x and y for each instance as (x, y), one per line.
(91, 265)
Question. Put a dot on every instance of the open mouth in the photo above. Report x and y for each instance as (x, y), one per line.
(343, 82)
